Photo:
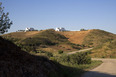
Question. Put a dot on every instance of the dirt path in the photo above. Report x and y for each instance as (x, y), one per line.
(79, 51)
(106, 69)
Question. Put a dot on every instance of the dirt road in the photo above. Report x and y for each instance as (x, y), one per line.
(79, 51)
(106, 69)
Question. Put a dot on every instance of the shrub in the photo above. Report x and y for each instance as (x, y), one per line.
(78, 58)
(40, 51)
(49, 54)
(52, 58)
(83, 30)
(60, 52)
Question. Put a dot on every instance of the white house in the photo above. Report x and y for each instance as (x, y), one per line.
(60, 29)
(29, 29)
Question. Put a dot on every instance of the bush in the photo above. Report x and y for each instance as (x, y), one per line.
(49, 54)
(40, 51)
(78, 58)
(83, 30)
(60, 52)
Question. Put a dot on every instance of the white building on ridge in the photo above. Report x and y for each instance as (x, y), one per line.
(29, 29)
(60, 29)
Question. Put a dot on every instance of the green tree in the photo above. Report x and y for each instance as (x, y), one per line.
(82, 29)
(60, 51)
(5, 22)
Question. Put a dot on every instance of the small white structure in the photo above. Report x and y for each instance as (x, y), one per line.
(60, 29)
(29, 29)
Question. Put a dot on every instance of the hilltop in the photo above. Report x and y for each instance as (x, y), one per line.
(52, 41)
(92, 37)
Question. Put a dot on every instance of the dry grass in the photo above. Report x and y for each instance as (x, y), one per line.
(45, 37)
(98, 37)
(55, 48)
(94, 37)
(22, 34)
(76, 37)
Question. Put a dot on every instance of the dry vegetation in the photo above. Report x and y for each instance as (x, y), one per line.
(92, 37)
(104, 42)
(51, 41)
(46, 40)
(76, 37)
(107, 50)
(22, 34)
(97, 37)
(17, 63)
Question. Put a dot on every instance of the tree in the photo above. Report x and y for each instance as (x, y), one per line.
(60, 51)
(5, 22)
(82, 29)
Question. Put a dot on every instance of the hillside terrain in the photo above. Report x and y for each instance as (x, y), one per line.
(52, 41)
(107, 50)
(92, 37)
(17, 63)
(22, 34)
(42, 41)
(97, 37)
(104, 43)
(76, 37)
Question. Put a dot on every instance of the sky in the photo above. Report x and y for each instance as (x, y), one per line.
(70, 14)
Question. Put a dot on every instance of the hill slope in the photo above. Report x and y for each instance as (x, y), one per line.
(104, 42)
(22, 34)
(97, 37)
(16, 63)
(47, 40)
(47, 37)
(107, 50)
(76, 37)
(44, 36)
(93, 37)
(54, 41)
